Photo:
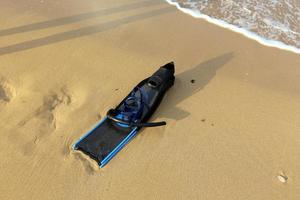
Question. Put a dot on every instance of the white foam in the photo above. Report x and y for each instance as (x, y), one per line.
(248, 34)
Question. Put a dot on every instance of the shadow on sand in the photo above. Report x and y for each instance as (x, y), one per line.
(77, 18)
(202, 73)
(68, 35)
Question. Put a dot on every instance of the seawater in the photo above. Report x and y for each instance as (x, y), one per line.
(274, 23)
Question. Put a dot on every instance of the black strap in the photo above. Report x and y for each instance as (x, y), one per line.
(111, 116)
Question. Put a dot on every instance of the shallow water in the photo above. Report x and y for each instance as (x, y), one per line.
(271, 22)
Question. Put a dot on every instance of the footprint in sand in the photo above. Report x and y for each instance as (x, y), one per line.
(43, 120)
(7, 91)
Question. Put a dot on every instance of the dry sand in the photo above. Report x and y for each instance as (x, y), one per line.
(233, 134)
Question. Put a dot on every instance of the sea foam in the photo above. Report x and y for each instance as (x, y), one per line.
(244, 26)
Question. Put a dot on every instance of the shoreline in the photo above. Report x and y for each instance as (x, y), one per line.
(242, 31)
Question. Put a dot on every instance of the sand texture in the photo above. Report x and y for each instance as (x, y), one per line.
(232, 134)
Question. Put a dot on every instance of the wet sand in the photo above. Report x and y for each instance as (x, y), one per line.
(232, 134)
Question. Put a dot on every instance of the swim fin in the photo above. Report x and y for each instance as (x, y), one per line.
(121, 124)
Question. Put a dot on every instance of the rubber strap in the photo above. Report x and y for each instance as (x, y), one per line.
(110, 115)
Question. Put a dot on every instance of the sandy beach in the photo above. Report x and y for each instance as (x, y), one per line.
(232, 134)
